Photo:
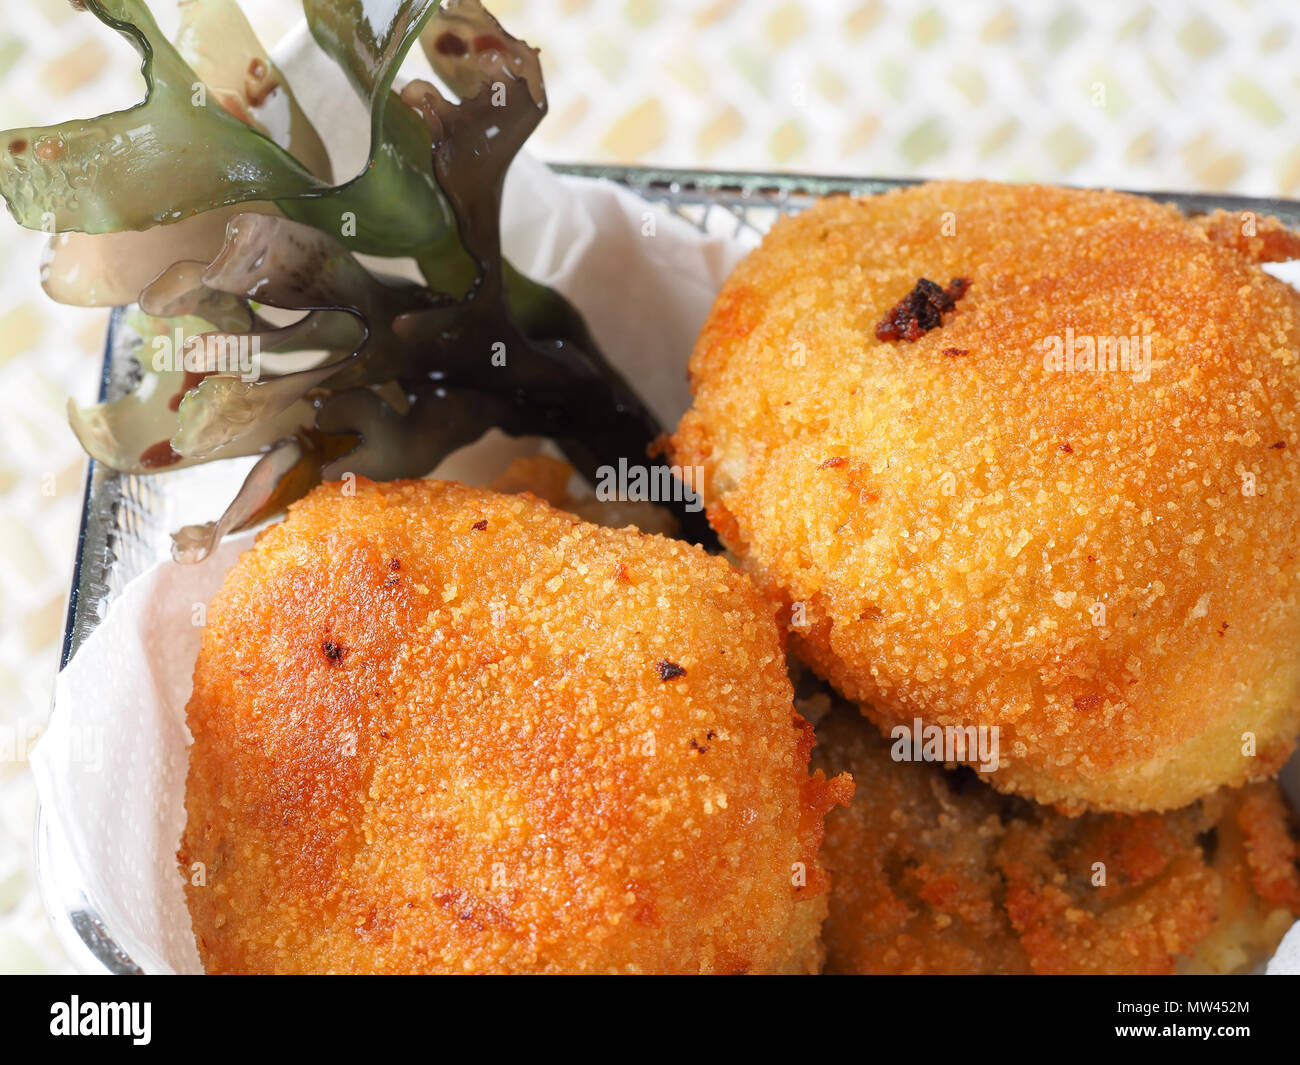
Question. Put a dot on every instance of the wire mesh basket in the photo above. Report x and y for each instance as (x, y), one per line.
(127, 519)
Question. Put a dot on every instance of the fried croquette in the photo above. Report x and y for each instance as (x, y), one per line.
(441, 730)
(1070, 510)
(932, 871)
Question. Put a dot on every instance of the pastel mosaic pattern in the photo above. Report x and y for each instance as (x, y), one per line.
(1108, 92)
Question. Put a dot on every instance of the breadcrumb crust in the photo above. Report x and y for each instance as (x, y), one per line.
(432, 734)
(1103, 567)
(934, 872)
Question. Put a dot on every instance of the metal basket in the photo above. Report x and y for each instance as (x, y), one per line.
(127, 520)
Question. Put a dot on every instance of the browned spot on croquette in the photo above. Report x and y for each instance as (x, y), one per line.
(921, 310)
(669, 670)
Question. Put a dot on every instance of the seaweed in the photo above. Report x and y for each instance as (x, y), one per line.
(187, 205)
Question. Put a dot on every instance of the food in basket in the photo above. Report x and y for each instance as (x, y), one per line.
(442, 729)
(1012, 463)
(932, 871)
(1060, 498)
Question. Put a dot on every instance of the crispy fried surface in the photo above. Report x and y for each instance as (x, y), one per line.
(934, 872)
(438, 729)
(1105, 568)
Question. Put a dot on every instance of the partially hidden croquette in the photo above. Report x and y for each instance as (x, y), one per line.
(440, 729)
(932, 871)
(974, 525)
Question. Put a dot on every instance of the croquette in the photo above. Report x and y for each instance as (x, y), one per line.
(1066, 507)
(438, 729)
(932, 871)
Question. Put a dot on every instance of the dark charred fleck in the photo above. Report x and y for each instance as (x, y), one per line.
(1067, 449)
(481, 525)
(921, 310)
(1279, 446)
(394, 564)
(953, 353)
(383, 735)
(669, 670)
(333, 651)
(697, 747)
(18, 146)
(710, 735)
(1086, 703)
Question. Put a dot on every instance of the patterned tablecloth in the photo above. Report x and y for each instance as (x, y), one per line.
(1189, 95)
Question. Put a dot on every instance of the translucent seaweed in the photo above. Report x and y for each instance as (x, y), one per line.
(399, 374)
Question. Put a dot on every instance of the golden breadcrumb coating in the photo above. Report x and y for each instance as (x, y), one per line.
(1103, 566)
(934, 872)
(438, 729)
